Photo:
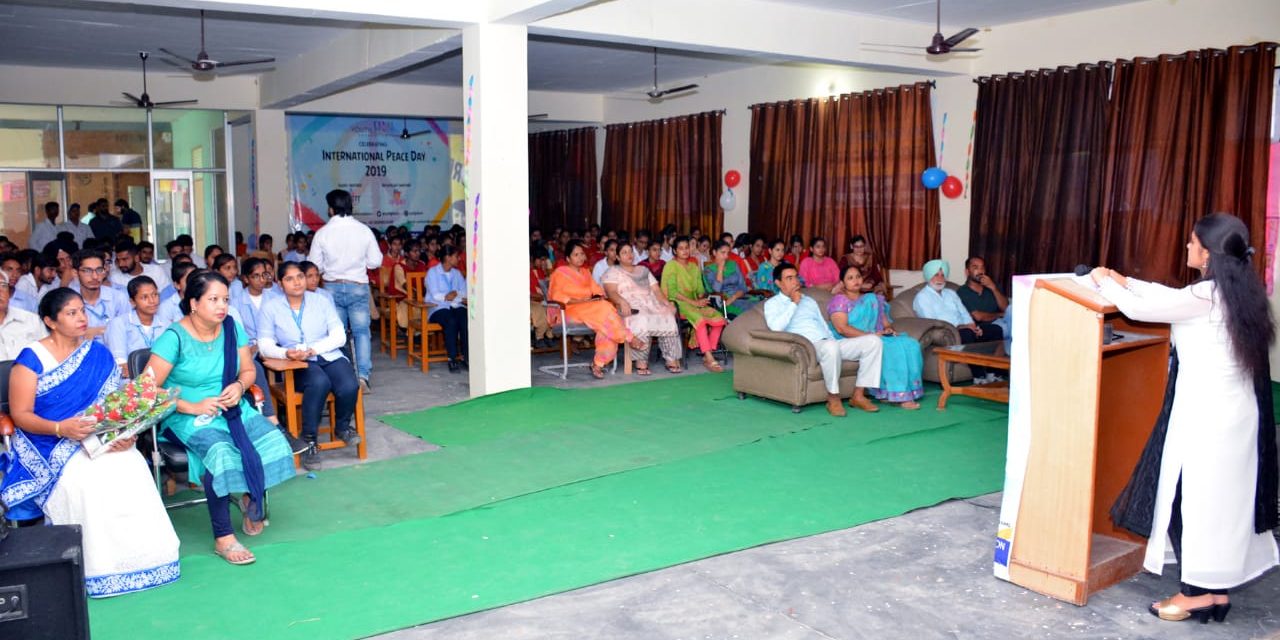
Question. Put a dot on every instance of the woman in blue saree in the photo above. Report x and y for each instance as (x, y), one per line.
(129, 544)
(854, 313)
(231, 447)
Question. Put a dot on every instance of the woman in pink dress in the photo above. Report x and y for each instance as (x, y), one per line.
(819, 270)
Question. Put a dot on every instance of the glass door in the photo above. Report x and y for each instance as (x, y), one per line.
(44, 187)
(172, 211)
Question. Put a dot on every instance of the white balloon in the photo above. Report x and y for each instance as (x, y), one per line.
(727, 200)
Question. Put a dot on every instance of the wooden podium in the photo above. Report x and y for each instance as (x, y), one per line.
(1092, 409)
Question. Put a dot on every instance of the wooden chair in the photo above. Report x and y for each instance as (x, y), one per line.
(288, 399)
(431, 345)
(388, 336)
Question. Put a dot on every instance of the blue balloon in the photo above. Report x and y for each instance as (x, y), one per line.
(933, 177)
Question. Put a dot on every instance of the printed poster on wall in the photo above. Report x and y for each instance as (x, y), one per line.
(392, 180)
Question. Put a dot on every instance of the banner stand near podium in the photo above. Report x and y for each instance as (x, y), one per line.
(1080, 413)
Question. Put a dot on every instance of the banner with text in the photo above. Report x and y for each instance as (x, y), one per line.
(392, 180)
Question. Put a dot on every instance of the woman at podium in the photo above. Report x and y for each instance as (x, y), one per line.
(1213, 487)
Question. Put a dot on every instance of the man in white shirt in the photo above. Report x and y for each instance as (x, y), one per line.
(128, 266)
(46, 230)
(18, 328)
(81, 232)
(344, 250)
(41, 280)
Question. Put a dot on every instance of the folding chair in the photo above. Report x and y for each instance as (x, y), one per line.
(566, 330)
(163, 453)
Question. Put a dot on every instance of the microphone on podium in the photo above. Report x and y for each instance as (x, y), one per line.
(1083, 269)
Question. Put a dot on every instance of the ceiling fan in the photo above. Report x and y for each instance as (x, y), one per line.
(144, 101)
(939, 45)
(658, 94)
(203, 63)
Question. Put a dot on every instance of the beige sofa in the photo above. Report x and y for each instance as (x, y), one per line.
(784, 366)
(900, 309)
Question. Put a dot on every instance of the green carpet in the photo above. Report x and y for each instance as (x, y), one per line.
(566, 501)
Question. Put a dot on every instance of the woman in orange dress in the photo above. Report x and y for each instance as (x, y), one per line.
(584, 301)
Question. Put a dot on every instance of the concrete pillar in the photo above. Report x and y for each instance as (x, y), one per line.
(271, 146)
(495, 133)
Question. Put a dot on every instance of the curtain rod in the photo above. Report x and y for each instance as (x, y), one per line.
(718, 112)
(1122, 61)
(859, 94)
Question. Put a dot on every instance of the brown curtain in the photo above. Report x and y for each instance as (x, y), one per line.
(562, 179)
(1189, 137)
(663, 172)
(850, 165)
(1037, 170)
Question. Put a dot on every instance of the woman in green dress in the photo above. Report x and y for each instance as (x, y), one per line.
(683, 284)
(231, 447)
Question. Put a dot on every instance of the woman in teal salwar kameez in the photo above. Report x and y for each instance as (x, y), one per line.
(854, 313)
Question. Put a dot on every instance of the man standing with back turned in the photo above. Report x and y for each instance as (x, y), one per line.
(344, 250)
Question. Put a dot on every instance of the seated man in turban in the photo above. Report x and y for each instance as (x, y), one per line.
(937, 302)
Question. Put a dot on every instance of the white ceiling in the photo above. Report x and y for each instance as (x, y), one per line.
(958, 14)
(557, 64)
(82, 33)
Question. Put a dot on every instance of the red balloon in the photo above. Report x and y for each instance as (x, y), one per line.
(732, 178)
(952, 187)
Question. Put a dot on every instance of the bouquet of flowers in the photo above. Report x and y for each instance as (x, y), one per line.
(129, 410)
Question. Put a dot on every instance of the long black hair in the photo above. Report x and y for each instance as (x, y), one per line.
(198, 285)
(53, 302)
(1247, 312)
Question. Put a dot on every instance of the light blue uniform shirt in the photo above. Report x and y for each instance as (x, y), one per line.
(169, 291)
(126, 334)
(169, 312)
(23, 300)
(805, 318)
(440, 284)
(316, 324)
(945, 306)
(249, 314)
(325, 292)
(111, 303)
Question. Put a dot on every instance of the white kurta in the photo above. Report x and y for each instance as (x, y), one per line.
(1211, 443)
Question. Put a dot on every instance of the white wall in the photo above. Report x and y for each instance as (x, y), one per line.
(102, 87)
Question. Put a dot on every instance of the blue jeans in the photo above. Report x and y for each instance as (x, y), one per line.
(352, 301)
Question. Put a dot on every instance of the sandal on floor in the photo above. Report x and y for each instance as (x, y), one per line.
(713, 366)
(643, 371)
(225, 554)
(245, 525)
(674, 367)
(597, 372)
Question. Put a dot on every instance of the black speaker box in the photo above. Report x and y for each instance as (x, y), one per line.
(42, 584)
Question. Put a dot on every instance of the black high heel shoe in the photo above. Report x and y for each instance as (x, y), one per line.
(1166, 610)
(1220, 612)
